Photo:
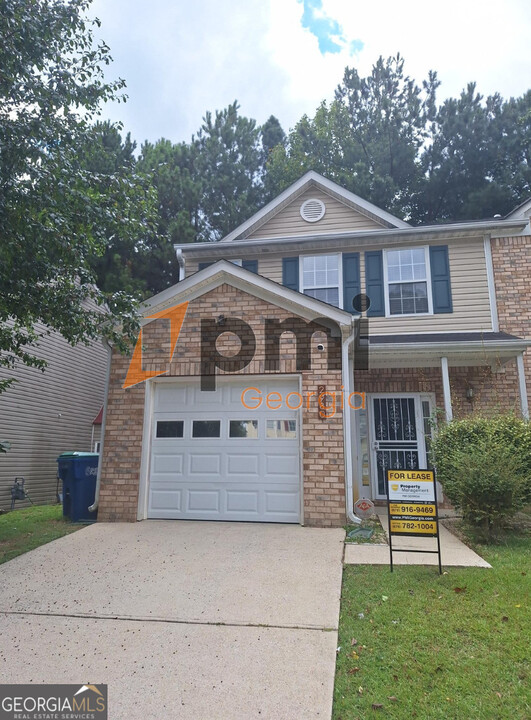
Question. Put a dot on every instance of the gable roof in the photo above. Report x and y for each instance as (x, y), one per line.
(223, 272)
(522, 211)
(313, 180)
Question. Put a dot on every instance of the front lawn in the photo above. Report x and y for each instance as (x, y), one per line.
(23, 530)
(414, 644)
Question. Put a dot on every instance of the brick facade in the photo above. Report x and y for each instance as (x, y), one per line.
(495, 388)
(511, 259)
(494, 391)
(322, 458)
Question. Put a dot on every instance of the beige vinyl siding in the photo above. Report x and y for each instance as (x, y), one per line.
(271, 268)
(470, 296)
(338, 218)
(191, 267)
(45, 414)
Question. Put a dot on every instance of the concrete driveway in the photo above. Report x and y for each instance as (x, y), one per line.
(180, 619)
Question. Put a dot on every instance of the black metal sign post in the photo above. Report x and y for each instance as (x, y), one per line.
(412, 508)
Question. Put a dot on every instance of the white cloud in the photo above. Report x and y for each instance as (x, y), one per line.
(181, 59)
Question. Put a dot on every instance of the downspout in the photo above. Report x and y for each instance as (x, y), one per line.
(181, 262)
(94, 507)
(347, 426)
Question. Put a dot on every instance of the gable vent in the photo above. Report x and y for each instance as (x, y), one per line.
(312, 210)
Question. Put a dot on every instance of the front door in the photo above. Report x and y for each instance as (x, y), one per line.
(398, 441)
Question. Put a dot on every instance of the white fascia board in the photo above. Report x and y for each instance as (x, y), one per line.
(297, 188)
(360, 203)
(474, 347)
(499, 228)
(225, 272)
(491, 284)
(520, 211)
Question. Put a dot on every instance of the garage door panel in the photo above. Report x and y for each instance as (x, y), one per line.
(239, 501)
(244, 474)
(166, 500)
(207, 501)
(282, 502)
(281, 464)
(170, 463)
(244, 464)
(173, 397)
(205, 464)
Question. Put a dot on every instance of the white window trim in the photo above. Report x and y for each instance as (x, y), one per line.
(339, 273)
(426, 249)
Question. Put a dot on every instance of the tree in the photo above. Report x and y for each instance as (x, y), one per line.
(479, 161)
(272, 135)
(123, 263)
(368, 139)
(228, 160)
(172, 172)
(385, 138)
(54, 215)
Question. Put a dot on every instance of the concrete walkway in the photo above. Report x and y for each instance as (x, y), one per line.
(180, 619)
(454, 553)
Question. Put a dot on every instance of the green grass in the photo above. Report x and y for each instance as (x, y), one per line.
(455, 646)
(23, 530)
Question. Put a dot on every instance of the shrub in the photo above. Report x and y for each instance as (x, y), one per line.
(484, 466)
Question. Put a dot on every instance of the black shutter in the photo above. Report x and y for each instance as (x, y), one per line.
(374, 283)
(203, 265)
(440, 279)
(290, 272)
(251, 265)
(351, 280)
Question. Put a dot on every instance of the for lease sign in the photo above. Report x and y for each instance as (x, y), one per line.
(412, 508)
(411, 485)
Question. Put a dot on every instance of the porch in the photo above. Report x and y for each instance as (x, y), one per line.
(414, 381)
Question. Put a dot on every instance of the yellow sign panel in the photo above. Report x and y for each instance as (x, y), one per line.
(414, 509)
(421, 527)
(410, 475)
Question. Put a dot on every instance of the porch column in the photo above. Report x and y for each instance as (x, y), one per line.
(522, 386)
(446, 389)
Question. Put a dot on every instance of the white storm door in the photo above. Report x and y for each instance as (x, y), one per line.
(397, 441)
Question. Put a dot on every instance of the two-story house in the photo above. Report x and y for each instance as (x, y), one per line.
(337, 333)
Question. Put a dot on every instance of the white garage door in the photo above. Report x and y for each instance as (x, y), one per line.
(214, 459)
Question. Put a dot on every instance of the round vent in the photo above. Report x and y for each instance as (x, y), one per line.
(312, 210)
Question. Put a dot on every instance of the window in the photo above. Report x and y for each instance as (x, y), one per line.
(320, 278)
(206, 428)
(408, 287)
(243, 429)
(281, 429)
(170, 428)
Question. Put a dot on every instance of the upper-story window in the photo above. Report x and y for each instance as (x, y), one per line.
(320, 277)
(407, 279)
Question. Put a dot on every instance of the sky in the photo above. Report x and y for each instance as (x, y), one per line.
(181, 58)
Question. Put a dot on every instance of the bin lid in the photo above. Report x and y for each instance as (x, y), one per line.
(74, 453)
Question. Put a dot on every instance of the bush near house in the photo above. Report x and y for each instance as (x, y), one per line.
(484, 466)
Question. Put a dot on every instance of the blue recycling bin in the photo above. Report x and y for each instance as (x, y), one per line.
(78, 472)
